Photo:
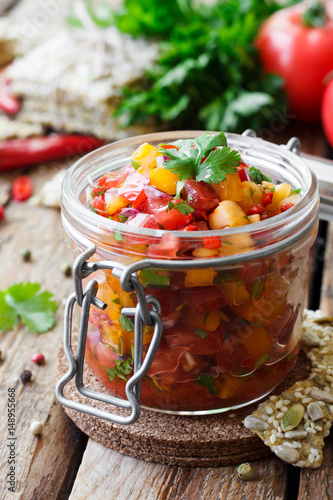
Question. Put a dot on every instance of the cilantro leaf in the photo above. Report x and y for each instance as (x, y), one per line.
(183, 207)
(92, 209)
(23, 300)
(257, 176)
(153, 277)
(179, 187)
(218, 164)
(122, 369)
(122, 218)
(207, 142)
(207, 381)
(296, 191)
(257, 288)
(117, 235)
(135, 164)
(201, 333)
(183, 167)
(126, 323)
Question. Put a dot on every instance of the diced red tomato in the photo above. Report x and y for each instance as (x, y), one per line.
(255, 209)
(267, 199)
(133, 189)
(98, 204)
(212, 242)
(168, 219)
(211, 344)
(143, 220)
(232, 355)
(166, 360)
(22, 188)
(203, 298)
(190, 227)
(167, 248)
(114, 179)
(200, 195)
(286, 206)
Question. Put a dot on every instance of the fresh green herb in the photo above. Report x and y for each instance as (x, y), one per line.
(207, 381)
(201, 333)
(23, 301)
(154, 277)
(120, 345)
(252, 192)
(116, 301)
(257, 288)
(246, 218)
(179, 187)
(135, 164)
(202, 76)
(205, 317)
(258, 176)
(183, 207)
(197, 158)
(296, 191)
(99, 193)
(239, 284)
(227, 242)
(261, 360)
(117, 235)
(126, 323)
(92, 209)
(122, 218)
(122, 369)
(273, 189)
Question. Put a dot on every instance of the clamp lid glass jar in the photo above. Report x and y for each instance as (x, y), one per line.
(231, 318)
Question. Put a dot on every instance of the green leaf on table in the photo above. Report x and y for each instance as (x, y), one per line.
(23, 301)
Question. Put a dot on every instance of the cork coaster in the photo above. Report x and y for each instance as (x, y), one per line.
(202, 441)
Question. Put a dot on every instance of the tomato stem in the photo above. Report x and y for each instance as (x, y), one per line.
(315, 16)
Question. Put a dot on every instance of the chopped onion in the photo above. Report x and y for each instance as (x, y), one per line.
(129, 212)
(94, 337)
(154, 193)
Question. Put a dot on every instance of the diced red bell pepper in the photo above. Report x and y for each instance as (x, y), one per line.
(200, 195)
(267, 199)
(22, 188)
(203, 298)
(254, 210)
(212, 242)
(243, 173)
(286, 206)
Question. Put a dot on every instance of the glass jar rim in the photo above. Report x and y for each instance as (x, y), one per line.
(84, 220)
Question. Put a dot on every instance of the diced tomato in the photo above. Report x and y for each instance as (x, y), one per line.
(267, 199)
(232, 355)
(202, 299)
(263, 216)
(190, 227)
(286, 206)
(212, 242)
(170, 302)
(166, 360)
(211, 344)
(255, 209)
(168, 146)
(133, 189)
(143, 220)
(200, 195)
(243, 172)
(98, 204)
(167, 248)
(22, 188)
(168, 219)
(113, 179)
(200, 215)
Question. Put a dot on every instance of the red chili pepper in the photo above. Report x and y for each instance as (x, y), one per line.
(267, 199)
(2, 213)
(243, 172)
(9, 103)
(286, 206)
(256, 209)
(168, 146)
(17, 153)
(22, 188)
(212, 242)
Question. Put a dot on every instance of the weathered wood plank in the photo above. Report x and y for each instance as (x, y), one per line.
(43, 463)
(105, 473)
(318, 484)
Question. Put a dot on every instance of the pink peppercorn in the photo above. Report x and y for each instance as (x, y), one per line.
(38, 358)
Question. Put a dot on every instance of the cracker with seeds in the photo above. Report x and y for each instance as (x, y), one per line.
(295, 423)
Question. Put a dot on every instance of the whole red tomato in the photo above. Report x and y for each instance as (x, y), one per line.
(301, 52)
(327, 112)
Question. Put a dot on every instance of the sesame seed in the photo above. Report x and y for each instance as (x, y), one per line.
(327, 389)
(276, 424)
(297, 444)
(326, 433)
(286, 402)
(298, 394)
(314, 451)
(273, 398)
(328, 425)
(280, 415)
(321, 403)
(307, 390)
(269, 410)
(287, 443)
(311, 458)
(318, 428)
(278, 404)
(300, 463)
(309, 430)
(272, 438)
(284, 409)
(317, 458)
(271, 420)
(306, 400)
(280, 435)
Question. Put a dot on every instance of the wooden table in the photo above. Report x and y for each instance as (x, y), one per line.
(62, 463)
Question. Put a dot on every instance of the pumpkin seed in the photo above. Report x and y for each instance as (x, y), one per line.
(292, 418)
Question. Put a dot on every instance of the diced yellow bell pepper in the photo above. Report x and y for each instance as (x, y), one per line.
(199, 277)
(235, 293)
(116, 203)
(107, 295)
(257, 343)
(203, 252)
(229, 388)
(146, 155)
(126, 300)
(164, 179)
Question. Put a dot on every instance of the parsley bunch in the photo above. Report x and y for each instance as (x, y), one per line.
(23, 301)
(197, 159)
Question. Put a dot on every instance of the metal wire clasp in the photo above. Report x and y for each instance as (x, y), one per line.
(142, 314)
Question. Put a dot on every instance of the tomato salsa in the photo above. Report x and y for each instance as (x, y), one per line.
(230, 335)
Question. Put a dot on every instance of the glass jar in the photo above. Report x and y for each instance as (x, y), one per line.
(231, 312)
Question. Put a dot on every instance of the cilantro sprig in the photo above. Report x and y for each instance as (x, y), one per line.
(23, 301)
(183, 207)
(257, 176)
(122, 369)
(198, 159)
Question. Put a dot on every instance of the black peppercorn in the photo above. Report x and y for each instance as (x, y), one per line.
(26, 376)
